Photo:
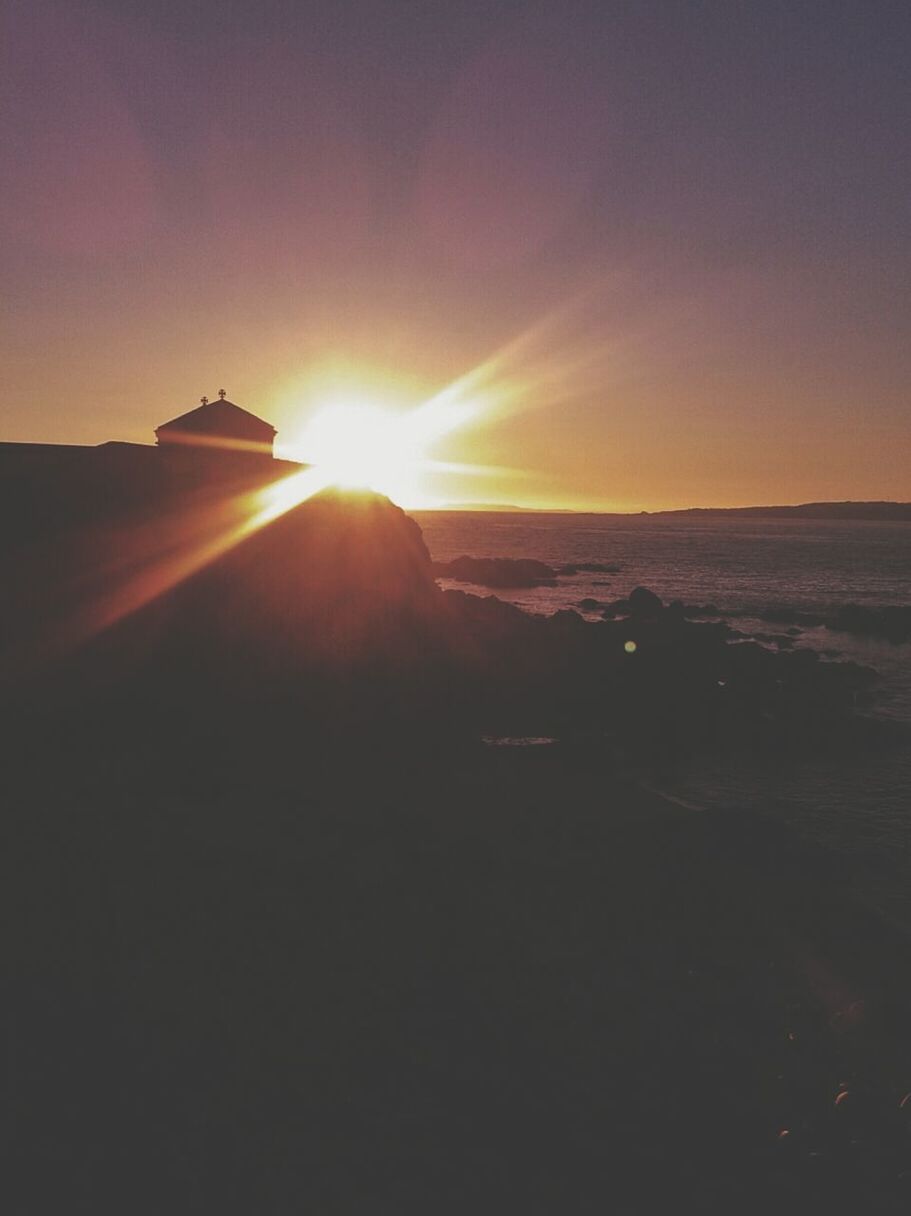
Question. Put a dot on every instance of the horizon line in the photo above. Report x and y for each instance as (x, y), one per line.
(515, 509)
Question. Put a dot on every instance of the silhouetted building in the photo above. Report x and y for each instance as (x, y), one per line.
(219, 424)
(218, 448)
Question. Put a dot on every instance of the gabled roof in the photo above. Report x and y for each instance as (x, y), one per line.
(213, 416)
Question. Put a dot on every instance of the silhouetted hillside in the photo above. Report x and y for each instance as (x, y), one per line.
(809, 510)
(285, 928)
(164, 616)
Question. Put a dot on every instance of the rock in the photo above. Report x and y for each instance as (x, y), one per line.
(482, 612)
(644, 603)
(892, 623)
(329, 620)
(748, 657)
(566, 618)
(804, 656)
(691, 610)
(503, 572)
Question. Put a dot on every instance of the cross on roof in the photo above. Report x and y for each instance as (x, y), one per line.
(221, 393)
(204, 400)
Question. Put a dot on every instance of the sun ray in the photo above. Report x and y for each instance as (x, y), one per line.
(216, 532)
(353, 443)
(473, 470)
(555, 358)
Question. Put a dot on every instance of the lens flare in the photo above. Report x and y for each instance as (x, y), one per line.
(359, 445)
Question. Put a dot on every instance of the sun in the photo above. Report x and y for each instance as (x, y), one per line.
(357, 444)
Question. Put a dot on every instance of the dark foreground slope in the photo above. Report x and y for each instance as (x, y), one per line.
(328, 619)
(284, 936)
(476, 981)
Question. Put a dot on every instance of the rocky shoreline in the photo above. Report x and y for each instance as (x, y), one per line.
(280, 914)
(332, 617)
(890, 622)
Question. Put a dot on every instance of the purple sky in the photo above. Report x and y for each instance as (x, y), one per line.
(697, 214)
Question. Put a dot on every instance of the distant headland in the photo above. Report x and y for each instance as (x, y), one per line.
(807, 510)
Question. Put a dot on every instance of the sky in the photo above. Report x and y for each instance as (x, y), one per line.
(661, 247)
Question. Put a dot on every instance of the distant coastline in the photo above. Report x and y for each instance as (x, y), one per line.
(809, 510)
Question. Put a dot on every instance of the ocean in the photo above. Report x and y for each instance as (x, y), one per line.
(857, 804)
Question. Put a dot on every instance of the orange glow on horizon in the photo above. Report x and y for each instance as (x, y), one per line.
(504, 205)
(361, 426)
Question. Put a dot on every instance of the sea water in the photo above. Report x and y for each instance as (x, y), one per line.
(858, 804)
